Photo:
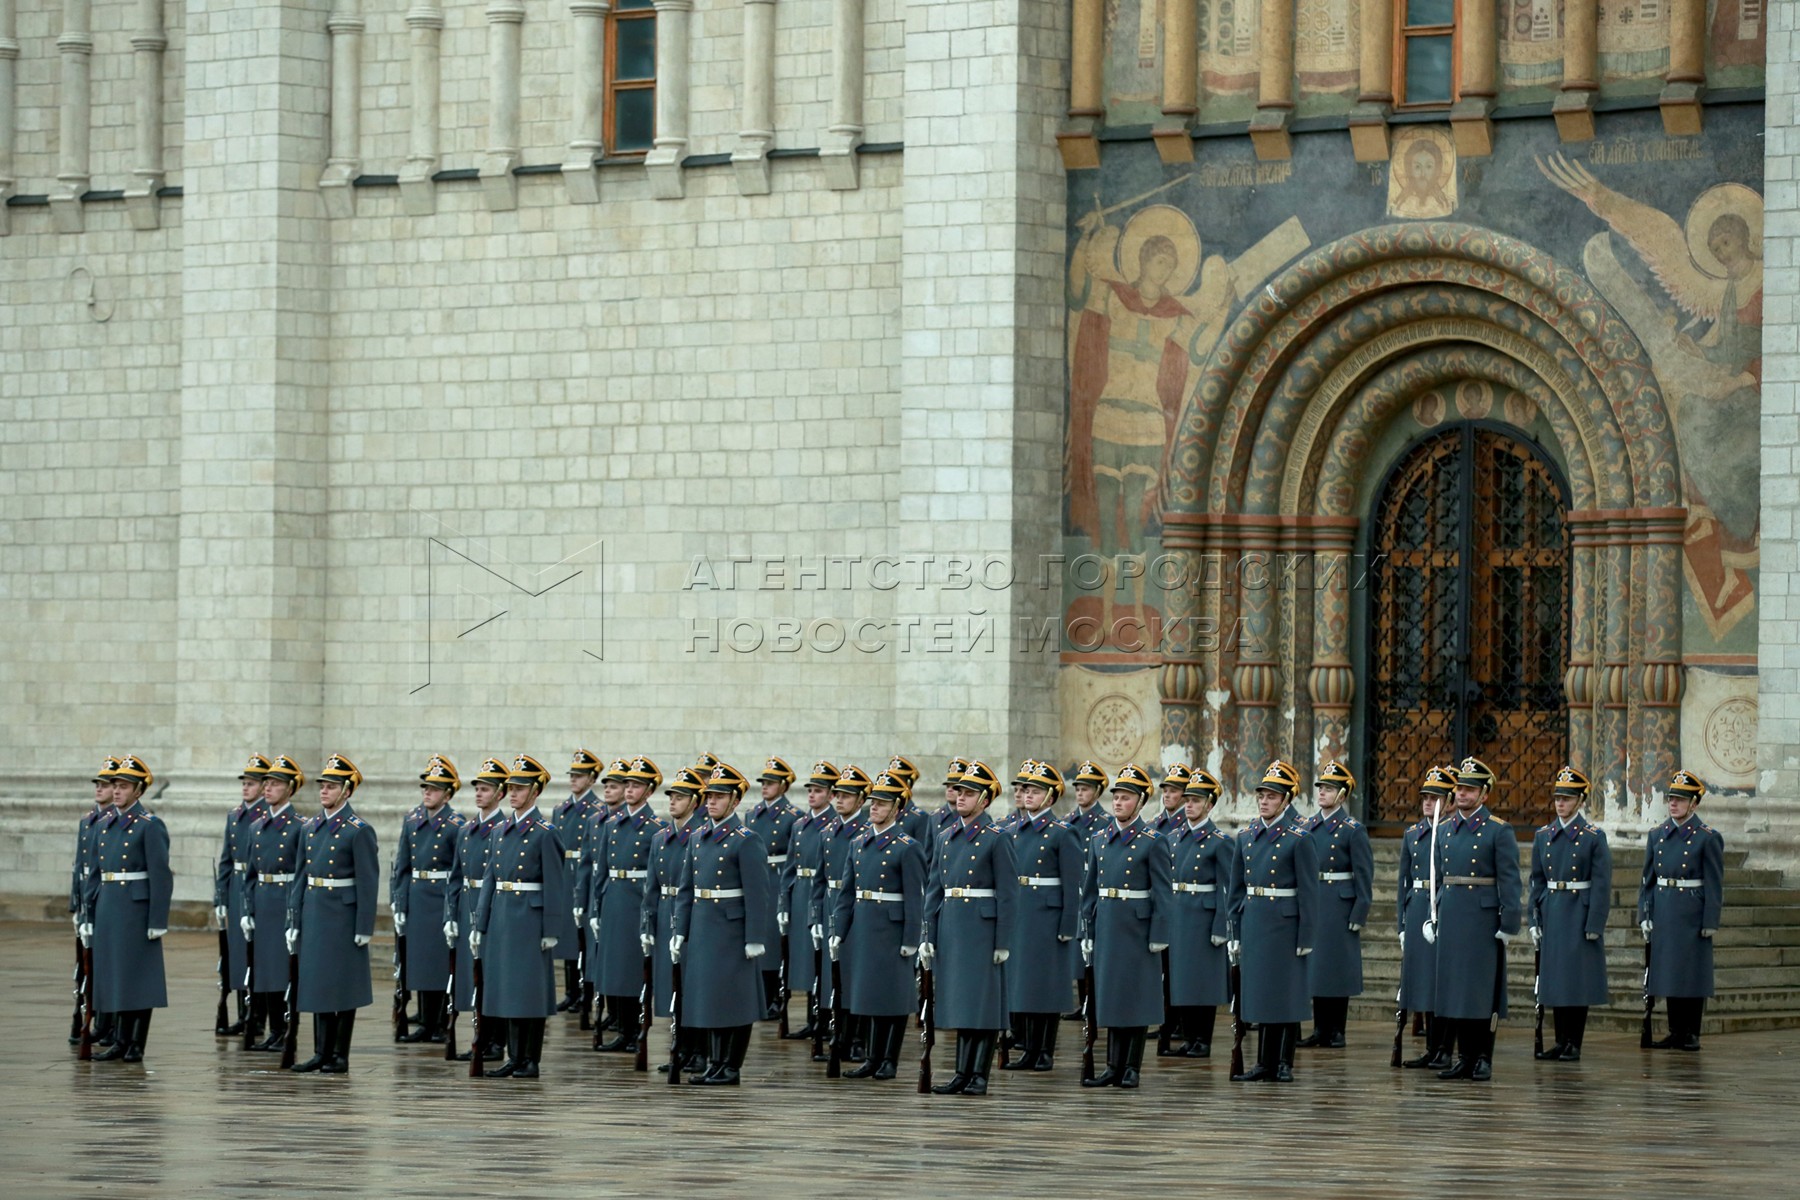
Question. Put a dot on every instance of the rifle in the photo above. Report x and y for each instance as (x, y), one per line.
(1537, 991)
(79, 979)
(1166, 1034)
(646, 1009)
(815, 1015)
(1238, 1027)
(293, 1012)
(1644, 1038)
(786, 992)
(221, 1018)
(834, 1065)
(86, 1050)
(402, 994)
(1090, 1029)
(587, 995)
(674, 1023)
(1400, 1032)
(476, 1042)
(1006, 1043)
(450, 1011)
(928, 1023)
(250, 993)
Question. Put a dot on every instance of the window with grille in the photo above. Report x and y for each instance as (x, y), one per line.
(630, 77)
(1425, 53)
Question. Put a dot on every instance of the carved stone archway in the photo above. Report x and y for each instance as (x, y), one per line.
(1266, 451)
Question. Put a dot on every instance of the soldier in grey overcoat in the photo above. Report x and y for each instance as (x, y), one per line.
(87, 834)
(1418, 957)
(877, 923)
(1680, 898)
(1199, 965)
(1050, 858)
(331, 917)
(1127, 910)
(970, 902)
(1087, 783)
(849, 821)
(1571, 894)
(800, 881)
(127, 902)
(524, 912)
(591, 862)
(772, 820)
(662, 884)
(944, 819)
(1274, 907)
(726, 900)
(228, 887)
(1171, 813)
(616, 906)
(1478, 913)
(425, 867)
(914, 821)
(274, 856)
(1334, 970)
(475, 843)
(572, 820)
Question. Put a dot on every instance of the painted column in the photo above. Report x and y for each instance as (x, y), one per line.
(1585, 608)
(1331, 684)
(74, 116)
(1657, 561)
(147, 46)
(1608, 770)
(1181, 82)
(669, 150)
(418, 192)
(1077, 140)
(1256, 679)
(1685, 83)
(336, 182)
(1375, 85)
(9, 112)
(1574, 107)
(1274, 82)
(1470, 121)
(750, 158)
(587, 92)
(499, 186)
(837, 149)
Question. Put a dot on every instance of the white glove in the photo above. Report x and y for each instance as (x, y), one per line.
(474, 943)
(546, 943)
(578, 911)
(781, 923)
(1503, 937)
(1403, 941)
(450, 934)
(1158, 947)
(247, 923)
(1355, 928)
(908, 951)
(1593, 937)
(75, 920)
(1707, 933)
(1216, 940)
(1232, 949)
(754, 949)
(293, 940)
(1646, 926)
(362, 939)
(86, 930)
(832, 946)
(155, 935)
(1537, 936)
(818, 936)
(675, 945)
(927, 954)
(1430, 932)
(594, 928)
(1001, 956)
(399, 924)
(1087, 950)
(1063, 937)
(219, 912)
(647, 943)
(1303, 951)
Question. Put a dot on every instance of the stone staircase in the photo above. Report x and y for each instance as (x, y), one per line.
(1756, 960)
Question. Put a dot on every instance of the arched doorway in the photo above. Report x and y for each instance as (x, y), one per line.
(1468, 624)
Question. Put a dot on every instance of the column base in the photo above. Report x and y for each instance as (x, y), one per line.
(337, 191)
(499, 186)
(750, 163)
(1680, 105)
(837, 153)
(1369, 133)
(580, 179)
(663, 167)
(65, 204)
(1174, 138)
(418, 192)
(1472, 128)
(1269, 134)
(1574, 115)
(1078, 142)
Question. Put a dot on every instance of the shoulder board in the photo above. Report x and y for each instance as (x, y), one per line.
(359, 822)
(150, 816)
(1351, 822)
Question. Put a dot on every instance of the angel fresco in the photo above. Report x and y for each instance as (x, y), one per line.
(1702, 324)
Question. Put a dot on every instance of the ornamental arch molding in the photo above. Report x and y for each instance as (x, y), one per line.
(1268, 449)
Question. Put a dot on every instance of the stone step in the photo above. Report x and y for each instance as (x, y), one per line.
(1613, 1019)
(1629, 857)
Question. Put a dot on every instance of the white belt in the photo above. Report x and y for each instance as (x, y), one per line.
(718, 893)
(431, 876)
(273, 877)
(777, 860)
(1421, 885)
(473, 883)
(879, 897)
(510, 886)
(1335, 876)
(123, 876)
(806, 872)
(1196, 887)
(320, 881)
(239, 867)
(86, 871)
(670, 891)
(630, 874)
(967, 893)
(1121, 894)
(1271, 893)
(1571, 885)
(571, 854)
(834, 884)
(1665, 881)
(1039, 881)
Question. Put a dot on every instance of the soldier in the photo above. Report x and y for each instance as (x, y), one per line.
(772, 820)
(1334, 972)
(571, 820)
(945, 818)
(425, 872)
(849, 823)
(1198, 965)
(1126, 910)
(1679, 902)
(126, 899)
(1087, 781)
(1418, 957)
(726, 901)
(1274, 896)
(971, 898)
(595, 830)
(1173, 814)
(331, 917)
(799, 883)
(662, 884)
(877, 919)
(87, 833)
(914, 822)
(616, 906)
(228, 886)
(1477, 915)
(273, 856)
(417, 1018)
(1050, 859)
(475, 842)
(523, 913)
(1571, 894)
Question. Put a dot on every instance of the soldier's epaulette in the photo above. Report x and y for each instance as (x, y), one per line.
(358, 822)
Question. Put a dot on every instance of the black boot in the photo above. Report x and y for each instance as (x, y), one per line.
(1165, 1033)
(625, 1007)
(729, 1057)
(324, 1044)
(106, 1029)
(1284, 1058)
(277, 1017)
(1340, 1021)
(532, 1044)
(1134, 1057)
(771, 981)
(1200, 1031)
(1321, 1025)
(1572, 1033)
(960, 1080)
(1429, 1058)
(805, 1032)
(1468, 1047)
(121, 1038)
(571, 998)
(1115, 1060)
(514, 1032)
(137, 1027)
(889, 1066)
(981, 1059)
(1695, 1014)
(1048, 1025)
(715, 1056)
(340, 1044)
(875, 1046)
(1484, 1055)
(1027, 1042)
(429, 1026)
